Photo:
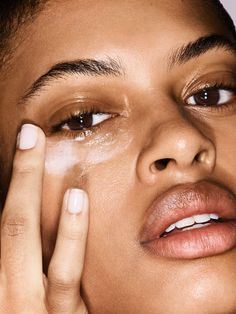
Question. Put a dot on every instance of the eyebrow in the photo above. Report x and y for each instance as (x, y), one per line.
(199, 47)
(113, 67)
(86, 67)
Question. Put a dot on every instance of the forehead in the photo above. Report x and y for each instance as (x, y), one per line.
(102, 19)
(133, 31)
(88, 29)
(100, 22)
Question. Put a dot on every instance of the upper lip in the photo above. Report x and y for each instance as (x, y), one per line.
(186, 200)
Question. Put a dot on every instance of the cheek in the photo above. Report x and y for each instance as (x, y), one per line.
(226, 154)
(69, 164)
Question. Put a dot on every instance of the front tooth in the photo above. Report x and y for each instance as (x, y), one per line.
(214, 216)
(202, 218)
(170, 228)
(185, 222)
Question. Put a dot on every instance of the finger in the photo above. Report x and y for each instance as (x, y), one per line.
(65, 269)
(20, 233)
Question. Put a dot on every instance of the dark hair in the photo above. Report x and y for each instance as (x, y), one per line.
(14, 13)
(223, 16)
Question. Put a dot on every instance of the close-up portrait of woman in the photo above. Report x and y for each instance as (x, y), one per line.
(117, 157)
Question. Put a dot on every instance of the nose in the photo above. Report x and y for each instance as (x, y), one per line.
(176, 148)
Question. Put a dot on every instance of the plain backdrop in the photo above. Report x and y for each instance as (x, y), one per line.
(230, 6)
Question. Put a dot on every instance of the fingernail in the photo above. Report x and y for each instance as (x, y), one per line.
(76, 201)
(27, 138)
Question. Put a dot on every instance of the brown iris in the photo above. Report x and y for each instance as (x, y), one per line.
(81, 122)
(207, 97)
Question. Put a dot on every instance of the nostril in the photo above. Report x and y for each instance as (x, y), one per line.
(200, 157)
(161, 164)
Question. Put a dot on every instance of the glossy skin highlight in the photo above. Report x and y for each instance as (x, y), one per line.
(116, 163)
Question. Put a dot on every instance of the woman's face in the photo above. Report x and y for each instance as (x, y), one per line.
(137, 121)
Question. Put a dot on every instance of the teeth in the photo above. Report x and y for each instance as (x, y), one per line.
(202, 218)
(185, 222)
(197, 226)
(190, 221)
(170, 228)
(214, 216)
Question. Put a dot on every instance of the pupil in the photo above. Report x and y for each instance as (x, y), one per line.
(84, 121)
(207, 97)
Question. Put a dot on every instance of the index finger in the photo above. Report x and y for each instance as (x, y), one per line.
(21, 255)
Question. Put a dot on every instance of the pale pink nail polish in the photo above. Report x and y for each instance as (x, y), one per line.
(76, 201)
(28, 136)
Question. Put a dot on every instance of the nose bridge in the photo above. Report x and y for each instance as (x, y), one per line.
(179, 145)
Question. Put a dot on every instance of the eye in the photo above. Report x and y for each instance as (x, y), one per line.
(84, 121)
(211, 97)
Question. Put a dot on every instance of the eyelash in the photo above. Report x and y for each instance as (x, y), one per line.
(216, 86)
(91, 109)
(72, 134)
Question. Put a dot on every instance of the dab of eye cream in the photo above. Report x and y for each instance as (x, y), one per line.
(60, 157)
(63, 156)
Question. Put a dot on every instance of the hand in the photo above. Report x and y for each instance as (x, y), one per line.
(24, 289)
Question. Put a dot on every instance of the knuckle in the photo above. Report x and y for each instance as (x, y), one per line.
(14, 226)
(62, 280)
(24, 168)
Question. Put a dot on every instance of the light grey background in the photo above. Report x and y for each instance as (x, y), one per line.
(230, 6)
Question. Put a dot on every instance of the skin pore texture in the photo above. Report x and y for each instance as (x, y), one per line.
(143, 102)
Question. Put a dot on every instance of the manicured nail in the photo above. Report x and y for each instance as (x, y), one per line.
(76, 201)
(27, 138)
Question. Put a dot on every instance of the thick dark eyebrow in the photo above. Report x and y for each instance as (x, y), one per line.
(87, 67)
(199, 47)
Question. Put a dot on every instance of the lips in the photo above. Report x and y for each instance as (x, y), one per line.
(165, 233)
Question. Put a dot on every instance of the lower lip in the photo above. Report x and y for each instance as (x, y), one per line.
(210, 240)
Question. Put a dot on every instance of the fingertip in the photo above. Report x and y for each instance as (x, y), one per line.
(29, 136)
(75, 201)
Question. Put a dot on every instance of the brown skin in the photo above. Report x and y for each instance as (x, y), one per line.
(114, 164)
